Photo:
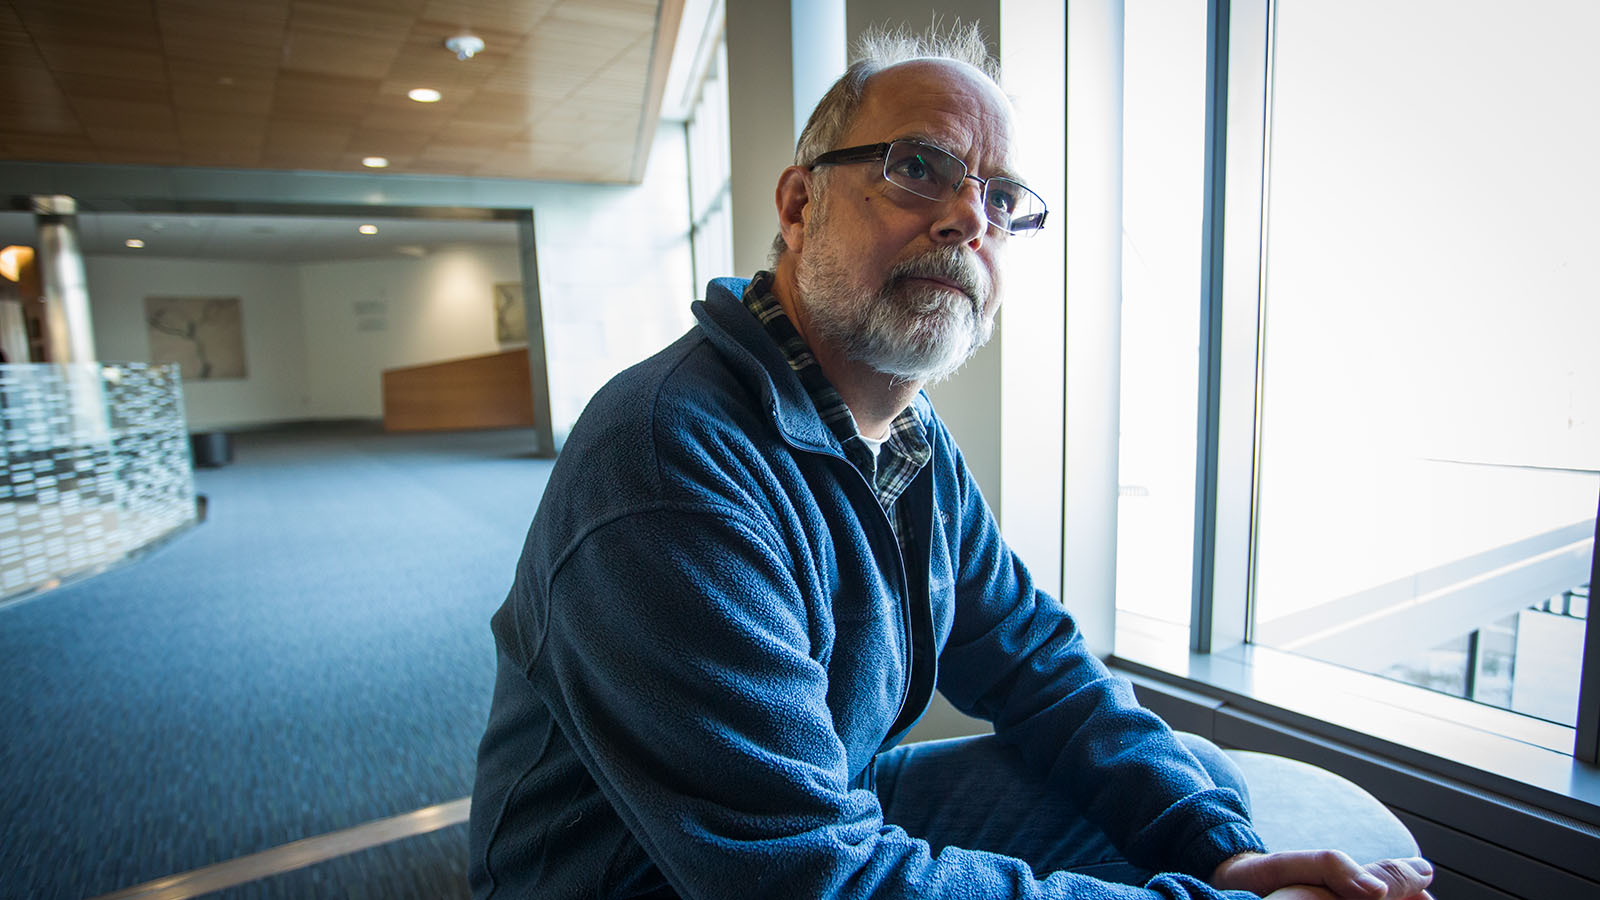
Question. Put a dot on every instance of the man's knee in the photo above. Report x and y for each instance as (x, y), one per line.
(1224, 772)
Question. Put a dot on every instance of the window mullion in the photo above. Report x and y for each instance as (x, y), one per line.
(1202, 623)
(1231, 265)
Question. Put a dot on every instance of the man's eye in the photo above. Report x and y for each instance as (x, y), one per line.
(1002, 199)
(915, 168)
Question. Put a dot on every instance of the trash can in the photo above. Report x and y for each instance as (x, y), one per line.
(211, 449)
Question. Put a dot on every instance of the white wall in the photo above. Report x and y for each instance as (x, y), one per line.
(310, 351)
(363, 316)
(274, 388)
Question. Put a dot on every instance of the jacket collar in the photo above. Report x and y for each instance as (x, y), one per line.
(750, 351)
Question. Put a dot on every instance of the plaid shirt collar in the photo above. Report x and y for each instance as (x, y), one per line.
(905, 451)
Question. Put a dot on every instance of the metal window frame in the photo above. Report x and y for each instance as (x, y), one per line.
(1232, 274)
(1202, 619)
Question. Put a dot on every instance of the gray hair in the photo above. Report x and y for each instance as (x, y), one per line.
(878, 49)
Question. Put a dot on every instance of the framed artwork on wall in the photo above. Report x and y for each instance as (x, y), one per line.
(203, 335)
(510, 316)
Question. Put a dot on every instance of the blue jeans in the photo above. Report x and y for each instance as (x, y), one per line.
(976, 793)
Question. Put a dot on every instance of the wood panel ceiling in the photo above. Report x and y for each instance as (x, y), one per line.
(565, 90)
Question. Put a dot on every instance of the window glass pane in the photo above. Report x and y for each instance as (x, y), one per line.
(1431, 394)
(1163, 145)
(709, 177)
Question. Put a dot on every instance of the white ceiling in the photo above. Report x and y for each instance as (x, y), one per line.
(254, 238)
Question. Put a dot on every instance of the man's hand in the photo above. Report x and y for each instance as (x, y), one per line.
(1324, 875)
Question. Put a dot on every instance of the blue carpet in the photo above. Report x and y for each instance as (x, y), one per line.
(314, 656)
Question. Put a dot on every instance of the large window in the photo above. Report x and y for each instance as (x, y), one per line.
(1416, 277)
(1430, 413)
(706, 136)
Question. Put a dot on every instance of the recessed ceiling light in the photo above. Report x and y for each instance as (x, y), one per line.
(375, 162)
(135, 243)
(368, 229)
(424, 95)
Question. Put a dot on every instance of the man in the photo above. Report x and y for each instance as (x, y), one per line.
(760, 552)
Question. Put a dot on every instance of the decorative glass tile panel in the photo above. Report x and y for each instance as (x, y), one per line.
(95, 466)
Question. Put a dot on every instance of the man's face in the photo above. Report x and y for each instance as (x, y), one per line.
(907, 285)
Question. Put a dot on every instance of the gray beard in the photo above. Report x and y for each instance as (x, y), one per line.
(911, 333)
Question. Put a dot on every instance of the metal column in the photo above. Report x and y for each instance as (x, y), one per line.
(69, 332)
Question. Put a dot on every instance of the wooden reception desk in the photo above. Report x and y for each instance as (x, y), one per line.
(490, 391)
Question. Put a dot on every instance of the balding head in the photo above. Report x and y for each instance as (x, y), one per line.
(876, 52)
(892, 244)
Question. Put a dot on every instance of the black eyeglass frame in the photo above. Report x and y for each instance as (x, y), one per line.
(880, 152)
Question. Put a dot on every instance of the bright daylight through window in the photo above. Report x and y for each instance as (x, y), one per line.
(1164, 63)
(1431, 387)
(1428, 461)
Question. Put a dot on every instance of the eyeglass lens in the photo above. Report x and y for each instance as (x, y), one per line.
(929, 172)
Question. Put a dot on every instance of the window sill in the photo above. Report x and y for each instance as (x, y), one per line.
(1514, 756)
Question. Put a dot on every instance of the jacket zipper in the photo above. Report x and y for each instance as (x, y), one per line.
(906, 636)
(908, 661)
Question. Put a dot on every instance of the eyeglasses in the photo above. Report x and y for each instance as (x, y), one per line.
(927, 171)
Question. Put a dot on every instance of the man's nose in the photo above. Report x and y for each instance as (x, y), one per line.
(963, 218)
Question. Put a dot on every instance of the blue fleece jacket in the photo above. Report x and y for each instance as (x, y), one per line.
(710, 637)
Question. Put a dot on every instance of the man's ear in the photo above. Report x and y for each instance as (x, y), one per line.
(794, 193)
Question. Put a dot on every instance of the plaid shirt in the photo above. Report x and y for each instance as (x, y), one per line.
(905, 451)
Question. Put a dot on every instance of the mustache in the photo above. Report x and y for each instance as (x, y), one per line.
(948, 264)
